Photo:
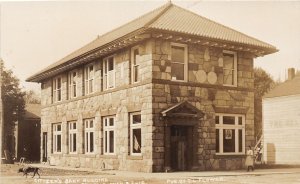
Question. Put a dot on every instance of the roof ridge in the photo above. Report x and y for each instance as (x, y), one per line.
(164, 6)
(223, 25)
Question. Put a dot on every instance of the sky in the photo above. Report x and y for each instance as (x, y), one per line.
(36, 34)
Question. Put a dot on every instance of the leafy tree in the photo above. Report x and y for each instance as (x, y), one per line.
(263, 82)
(32, 97)
(13, 107)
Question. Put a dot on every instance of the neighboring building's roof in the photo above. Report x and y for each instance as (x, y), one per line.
(169, 17)
(32, 111)
(289, 87)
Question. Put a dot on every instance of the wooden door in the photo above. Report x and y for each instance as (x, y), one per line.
(179, 146)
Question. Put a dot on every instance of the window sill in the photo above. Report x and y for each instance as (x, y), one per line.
(134, 157)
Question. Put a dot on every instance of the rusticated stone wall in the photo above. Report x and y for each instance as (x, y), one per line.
(205, 91)
(124, 99)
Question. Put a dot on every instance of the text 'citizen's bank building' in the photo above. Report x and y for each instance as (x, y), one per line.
(170, 90)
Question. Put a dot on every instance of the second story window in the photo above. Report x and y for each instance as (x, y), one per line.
(72, 84)
(109, 73)
(89, 72)
(179, 61)
(135, 64)
(229, 68)
(57, 89)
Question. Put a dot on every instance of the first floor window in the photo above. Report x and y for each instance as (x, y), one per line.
(109, 135)
(135, 134)
(57, 133)
(89, 133)
(230, 134)
(72, 137)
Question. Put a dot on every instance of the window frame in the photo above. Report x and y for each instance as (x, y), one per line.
(134, 64)
(56, 133)
(106, 72)
(56, 90)
(73, 83)
(133, 127)
(87, 141)
(72, 132)
(235, 70)
(185, 64)
(106, 139)
(236, 127)
(88, 78)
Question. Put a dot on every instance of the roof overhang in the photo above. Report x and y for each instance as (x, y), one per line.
(109, 48)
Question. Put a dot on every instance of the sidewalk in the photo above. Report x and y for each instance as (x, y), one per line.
(173, 175)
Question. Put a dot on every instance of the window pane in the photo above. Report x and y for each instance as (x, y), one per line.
(136, 73)
(86, 142)
(110, 63)
(228, 77)
(58, 127)
(228, 61)
(217, 141)
(177, 54)
(58, 83)
(177, 71)
(240, 140)
(136, 119)
(105, 142)
(58, 143)
(74, 142)
(240, 120)
(111, 141)
(217, 120)
(91, 124)
(137, 140)
(74, 125)
(91, 141)
(229, 120)
(111, 121)
(228, 140)
(74, 90)
(135, 55)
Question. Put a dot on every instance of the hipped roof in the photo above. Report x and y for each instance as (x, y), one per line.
(168, 17)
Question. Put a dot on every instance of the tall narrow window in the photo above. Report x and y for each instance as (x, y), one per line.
(72, 84)
(57, 89)
(57, 133)
(135, 134)
(109, 135)
(179, 62)
(89, 133)
(229, 68)
(72, 137)
(135, 64)
(230, 134)
(109, 72)
(89, 78)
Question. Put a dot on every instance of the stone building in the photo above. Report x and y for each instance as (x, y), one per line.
(168, 90)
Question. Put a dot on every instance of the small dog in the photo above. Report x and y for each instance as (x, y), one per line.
(26, 170)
